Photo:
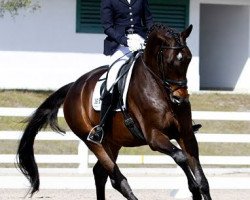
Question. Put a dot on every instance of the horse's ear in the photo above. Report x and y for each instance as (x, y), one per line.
(185, 34)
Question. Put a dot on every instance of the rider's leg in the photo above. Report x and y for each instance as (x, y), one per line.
(117, 60)
(121, 55)
(97, 133)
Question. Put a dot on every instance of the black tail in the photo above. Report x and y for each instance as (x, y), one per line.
(44, 115)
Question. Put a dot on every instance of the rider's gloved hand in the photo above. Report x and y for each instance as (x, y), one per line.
(135, 42)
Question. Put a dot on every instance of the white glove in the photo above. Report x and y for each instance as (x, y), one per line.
(135, 42)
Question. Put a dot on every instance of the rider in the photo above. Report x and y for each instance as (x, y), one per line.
(125, 23)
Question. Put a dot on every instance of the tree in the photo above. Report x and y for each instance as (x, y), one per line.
(13, 6)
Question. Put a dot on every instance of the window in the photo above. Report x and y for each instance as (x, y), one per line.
(88, 16)
(173, 13)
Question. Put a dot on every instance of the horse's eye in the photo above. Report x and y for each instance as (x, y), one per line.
(179, 56)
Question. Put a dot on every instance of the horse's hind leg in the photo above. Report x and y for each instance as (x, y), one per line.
(101, 177)
(118, 181)
(101, 174)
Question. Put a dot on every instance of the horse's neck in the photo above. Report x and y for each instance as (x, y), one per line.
(150, 61)
(145, 83)
(149, 83)
(151, 67)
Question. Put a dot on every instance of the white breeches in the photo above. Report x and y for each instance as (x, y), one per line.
(123, 54)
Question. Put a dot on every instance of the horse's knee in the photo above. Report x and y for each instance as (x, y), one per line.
(179, 157)
(152, 146)
(160, 142)
(157, 145)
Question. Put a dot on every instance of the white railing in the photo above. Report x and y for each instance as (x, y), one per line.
(83, 158)
(201, 115)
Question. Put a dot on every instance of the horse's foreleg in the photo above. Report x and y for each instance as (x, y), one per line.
(190, 146)
(161, 143)
(118, 181)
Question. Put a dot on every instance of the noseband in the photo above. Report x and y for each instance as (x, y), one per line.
(180, 83)
(168, 83)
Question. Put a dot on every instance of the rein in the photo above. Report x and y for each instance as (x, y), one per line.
(168, 82)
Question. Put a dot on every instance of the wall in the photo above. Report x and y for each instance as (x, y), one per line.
(51, 29)
(42, 50)
(243, 65)
(224, 38)
(44, 44)
(193, 41)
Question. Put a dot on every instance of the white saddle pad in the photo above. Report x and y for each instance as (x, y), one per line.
(96, 101)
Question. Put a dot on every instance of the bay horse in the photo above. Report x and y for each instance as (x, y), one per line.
(157, 100)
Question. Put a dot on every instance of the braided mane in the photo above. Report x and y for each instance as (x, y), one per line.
(161, 27)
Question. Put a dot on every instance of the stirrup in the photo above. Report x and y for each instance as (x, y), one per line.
(96, 135)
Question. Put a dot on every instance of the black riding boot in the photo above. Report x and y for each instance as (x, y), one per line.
(97, 133)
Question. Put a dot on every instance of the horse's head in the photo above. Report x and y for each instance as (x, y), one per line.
(167, 56)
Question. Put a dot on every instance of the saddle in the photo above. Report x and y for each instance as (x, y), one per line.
(119, 99)
(120, 85)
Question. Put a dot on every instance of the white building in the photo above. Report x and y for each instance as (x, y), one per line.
(51, 47)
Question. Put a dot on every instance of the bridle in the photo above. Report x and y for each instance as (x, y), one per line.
(169, 82)
(179, 83)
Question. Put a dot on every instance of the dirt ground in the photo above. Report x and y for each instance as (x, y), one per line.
(18, 194)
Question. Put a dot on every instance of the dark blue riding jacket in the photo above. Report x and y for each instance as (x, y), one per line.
(117, 16)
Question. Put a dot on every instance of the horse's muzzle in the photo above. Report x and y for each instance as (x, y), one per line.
(179, 96)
